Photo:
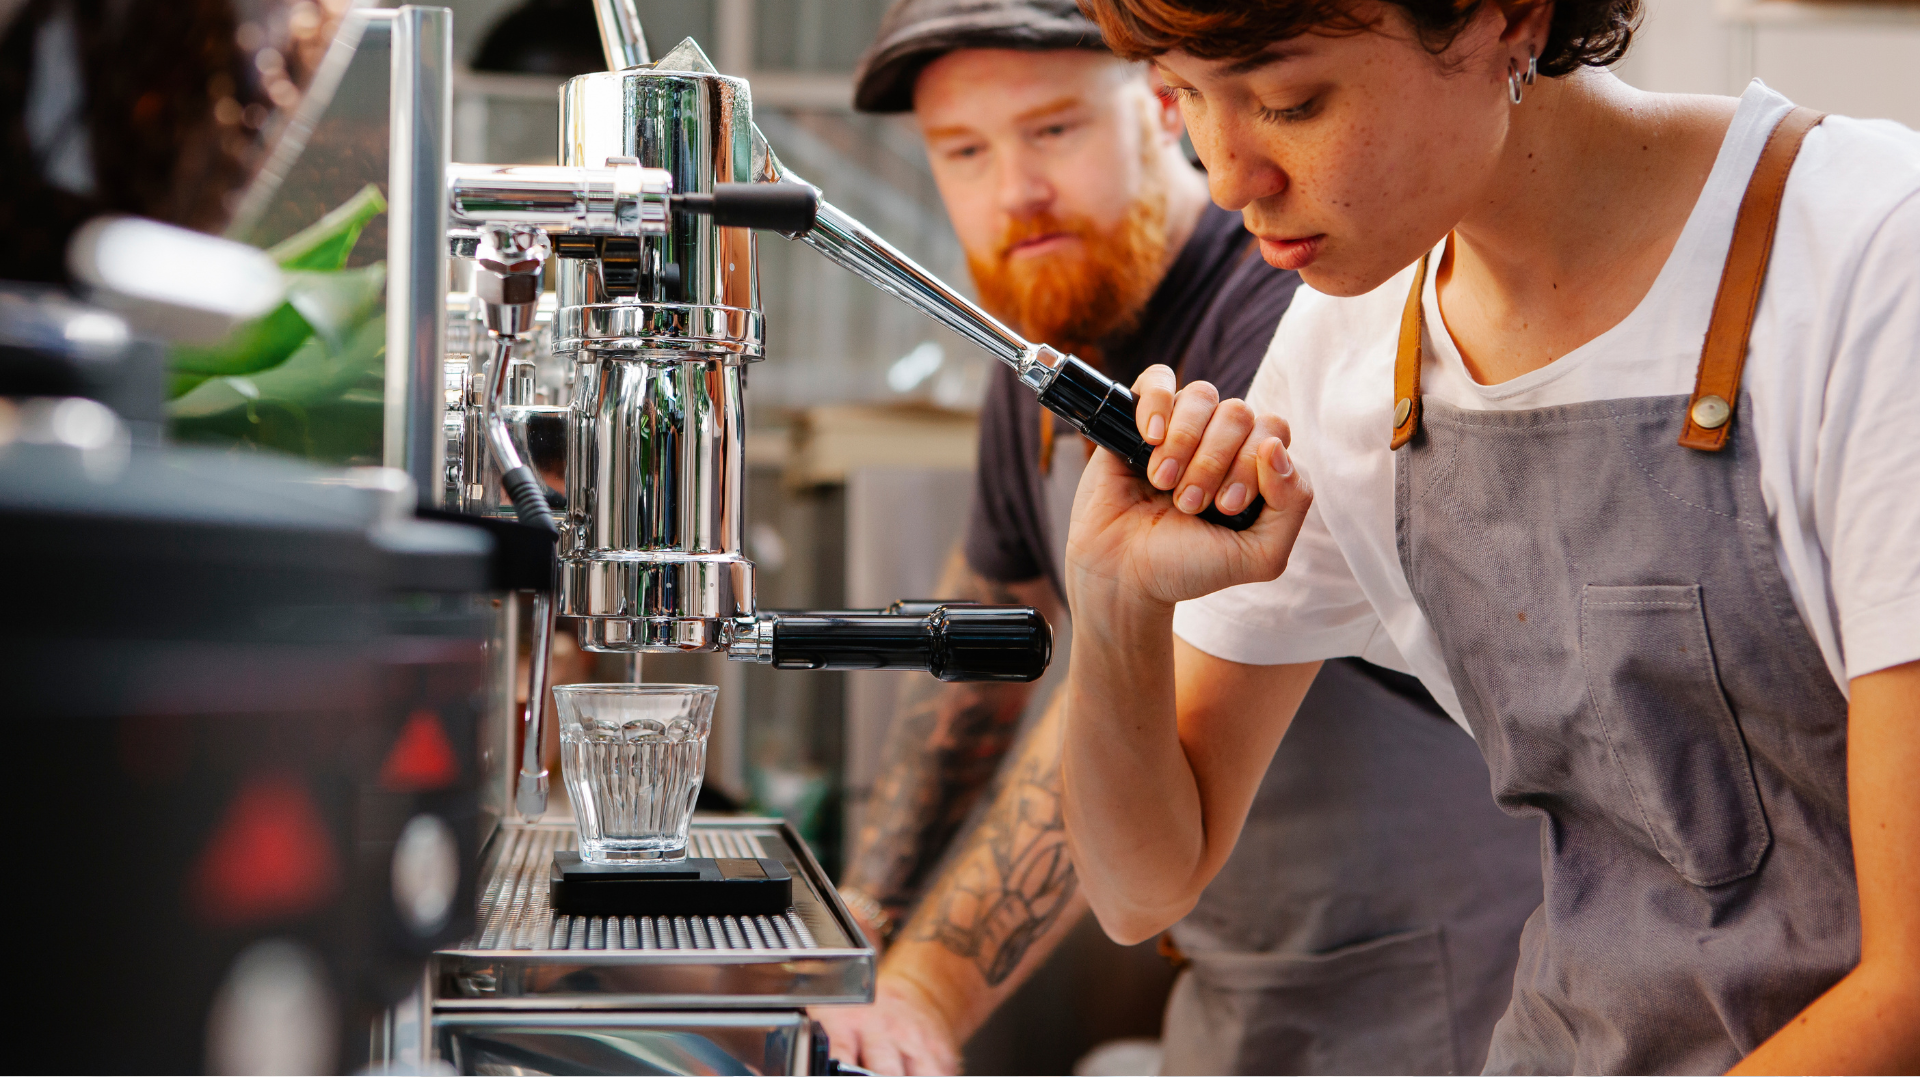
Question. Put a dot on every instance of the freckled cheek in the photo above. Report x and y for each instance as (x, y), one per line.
(1406, 167)
(1340, 180)
(1206, 139)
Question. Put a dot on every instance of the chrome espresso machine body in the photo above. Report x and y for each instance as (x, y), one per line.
(631, 449)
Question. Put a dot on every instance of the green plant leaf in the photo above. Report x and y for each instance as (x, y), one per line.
(325, 244)
(320, 298)
(254, 346)
(337, 304)
(334, 304)
(323, 403)
(317, 374)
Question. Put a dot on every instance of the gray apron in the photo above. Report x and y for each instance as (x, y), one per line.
(1623, 641)
(1369, 918)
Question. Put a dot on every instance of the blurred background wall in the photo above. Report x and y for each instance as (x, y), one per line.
(1859, 59)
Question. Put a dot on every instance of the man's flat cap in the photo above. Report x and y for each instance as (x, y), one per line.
(915, 33)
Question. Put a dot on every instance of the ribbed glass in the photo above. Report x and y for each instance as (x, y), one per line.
(633, 755)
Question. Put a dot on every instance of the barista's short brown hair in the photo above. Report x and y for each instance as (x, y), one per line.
(1583, 33)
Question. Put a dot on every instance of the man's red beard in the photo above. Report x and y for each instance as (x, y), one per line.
(1074, 298)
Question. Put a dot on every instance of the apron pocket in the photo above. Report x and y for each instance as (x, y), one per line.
(1378, 1007)
(1651, 678)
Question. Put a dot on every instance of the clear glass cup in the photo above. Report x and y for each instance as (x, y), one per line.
(633, 755)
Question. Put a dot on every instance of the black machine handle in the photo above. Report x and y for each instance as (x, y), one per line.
(776, 207)
(953, 642)
(1103, 411)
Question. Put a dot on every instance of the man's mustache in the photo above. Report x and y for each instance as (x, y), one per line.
(1022, 231)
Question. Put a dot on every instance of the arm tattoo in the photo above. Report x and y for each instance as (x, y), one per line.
(1013, 877)
(941, 755)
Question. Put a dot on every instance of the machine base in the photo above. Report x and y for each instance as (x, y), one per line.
(684, 887)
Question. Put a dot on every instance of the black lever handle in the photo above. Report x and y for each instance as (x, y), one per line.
(953, 642)
(1103, 411)
(776, 207)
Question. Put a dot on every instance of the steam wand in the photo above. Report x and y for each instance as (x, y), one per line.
(508, 263)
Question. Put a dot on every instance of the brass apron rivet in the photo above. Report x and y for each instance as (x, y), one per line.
(1711, 411)
(1404, 408)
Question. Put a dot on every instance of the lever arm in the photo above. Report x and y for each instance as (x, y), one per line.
(1095, 405)
(621, 36)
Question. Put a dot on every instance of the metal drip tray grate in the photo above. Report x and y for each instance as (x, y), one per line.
(516, 911)
(522, 954)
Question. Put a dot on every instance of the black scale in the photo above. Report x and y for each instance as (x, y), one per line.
(681, 887)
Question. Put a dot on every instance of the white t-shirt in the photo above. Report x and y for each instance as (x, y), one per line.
(1833, 376)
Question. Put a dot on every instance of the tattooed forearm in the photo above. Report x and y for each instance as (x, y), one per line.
(941, 754)
(1012, 878)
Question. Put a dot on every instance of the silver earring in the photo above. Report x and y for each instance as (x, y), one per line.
(1517, 79)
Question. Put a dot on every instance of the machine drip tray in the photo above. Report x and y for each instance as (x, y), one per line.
(525, 954)
(682, 887)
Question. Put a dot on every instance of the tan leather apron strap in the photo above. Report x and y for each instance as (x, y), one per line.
(1406, 366)
(1716, 388)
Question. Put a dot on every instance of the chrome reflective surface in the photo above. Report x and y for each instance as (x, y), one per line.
(532, 408)
(761, 1043)
(713, 331)
(523, 956)
(622, 38)
(615, 200)
(420, 143)
(654, 477)
(697, 127)
(651, 556)
(751, 640)
(852, 245)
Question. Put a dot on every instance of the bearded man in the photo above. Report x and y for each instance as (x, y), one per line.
(1390, 945)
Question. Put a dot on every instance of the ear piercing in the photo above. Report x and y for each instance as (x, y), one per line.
(1516, 79)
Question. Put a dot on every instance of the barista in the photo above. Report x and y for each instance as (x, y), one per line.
(1672, 594)
(1086, 227)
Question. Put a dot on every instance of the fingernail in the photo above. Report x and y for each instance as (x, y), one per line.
(1278, 457)
(1234, 499)
(1166, 474)
(1156, 428)
(1191, 499)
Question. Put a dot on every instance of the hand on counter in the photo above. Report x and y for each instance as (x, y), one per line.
(900, 1034)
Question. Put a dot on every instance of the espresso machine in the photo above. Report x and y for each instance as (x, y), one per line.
(630, 449)
(645, 227)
